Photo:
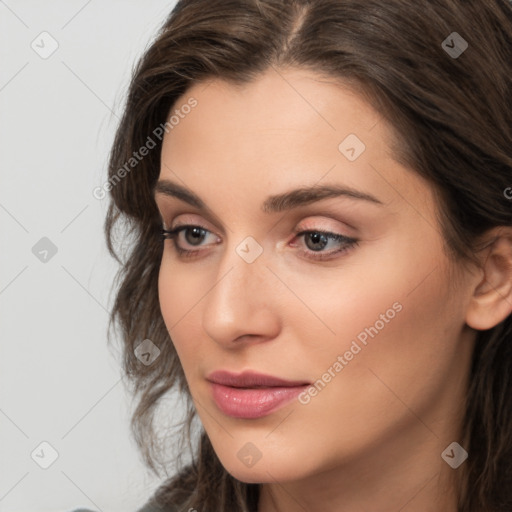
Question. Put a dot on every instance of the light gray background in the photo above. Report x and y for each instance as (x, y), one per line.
(59, 382)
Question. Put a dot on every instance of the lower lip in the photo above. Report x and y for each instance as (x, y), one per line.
(250, 403)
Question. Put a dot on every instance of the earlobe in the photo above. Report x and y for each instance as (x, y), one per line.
(491, 302)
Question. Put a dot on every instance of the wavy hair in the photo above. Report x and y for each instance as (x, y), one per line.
(453, 120)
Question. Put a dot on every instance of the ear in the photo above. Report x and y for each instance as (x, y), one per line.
(491, 301)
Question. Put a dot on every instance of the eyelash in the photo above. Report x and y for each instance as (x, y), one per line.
(348, 242)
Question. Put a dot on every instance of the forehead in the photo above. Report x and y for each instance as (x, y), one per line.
(282, 129)
(290, 103)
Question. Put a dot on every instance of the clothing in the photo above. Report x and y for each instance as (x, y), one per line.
(148, 507)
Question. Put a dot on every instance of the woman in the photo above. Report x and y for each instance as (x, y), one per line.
(320, 260)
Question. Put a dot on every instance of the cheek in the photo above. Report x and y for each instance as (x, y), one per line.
(180, 293)
(397, 331)
(393, 302)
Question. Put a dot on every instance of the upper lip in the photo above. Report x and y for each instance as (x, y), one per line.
(251, 379)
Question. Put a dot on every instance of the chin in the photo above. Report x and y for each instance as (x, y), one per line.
(271, 468)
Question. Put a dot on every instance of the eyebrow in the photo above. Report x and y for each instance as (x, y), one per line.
(273, 204)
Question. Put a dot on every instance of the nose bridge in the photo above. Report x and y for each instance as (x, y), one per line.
(244, 265)
(238, 302)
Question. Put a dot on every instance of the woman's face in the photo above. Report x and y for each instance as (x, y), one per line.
(369, 329)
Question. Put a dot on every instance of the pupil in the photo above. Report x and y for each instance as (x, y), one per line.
(197, 235)
(316, 238)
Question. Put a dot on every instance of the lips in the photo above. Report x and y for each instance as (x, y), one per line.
(251, 395)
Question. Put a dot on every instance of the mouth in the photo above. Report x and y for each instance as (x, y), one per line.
(252, 395)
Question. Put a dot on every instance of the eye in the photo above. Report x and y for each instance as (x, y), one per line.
(192, 235)
(317, 240)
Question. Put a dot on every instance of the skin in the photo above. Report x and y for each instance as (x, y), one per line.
(372, 438)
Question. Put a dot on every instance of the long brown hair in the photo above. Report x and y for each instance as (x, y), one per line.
(452, 114)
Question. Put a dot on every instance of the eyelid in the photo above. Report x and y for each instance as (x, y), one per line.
(318, 223)
(169, 209)
(321, 223)
(184, 224)
(324, 210)
(187, 219)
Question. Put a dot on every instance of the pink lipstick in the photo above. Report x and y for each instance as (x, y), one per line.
(251, 395)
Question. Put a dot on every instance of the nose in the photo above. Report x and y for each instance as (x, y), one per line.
(239, 307)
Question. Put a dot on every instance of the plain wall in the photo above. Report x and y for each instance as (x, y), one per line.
(59, 381)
